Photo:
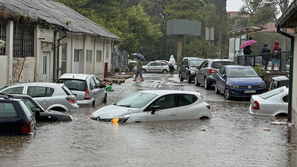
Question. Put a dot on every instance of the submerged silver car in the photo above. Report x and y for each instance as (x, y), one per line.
(155, 66)
(87, 87)
(51, 96)
(271, 103)
(155, 105)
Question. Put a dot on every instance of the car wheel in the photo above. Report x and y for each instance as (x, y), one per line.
(180, 77)
(206, 86)
(188, 78)
(216, 89)
(164, 71)
(143, 71)
(196, 81)
(105, 98)
(226, 94)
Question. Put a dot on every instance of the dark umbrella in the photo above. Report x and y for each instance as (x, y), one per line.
(139, 55)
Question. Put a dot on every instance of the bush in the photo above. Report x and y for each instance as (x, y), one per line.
(259, 70)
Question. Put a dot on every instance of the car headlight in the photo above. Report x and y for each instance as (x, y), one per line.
(233, 86)
(121, 119)
(262, 85)
(193, 72)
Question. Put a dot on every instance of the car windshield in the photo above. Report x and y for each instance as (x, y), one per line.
(136, 100)
(271, 93)
(241, 73)
(26, 109)
(74, 84)
(195, 63)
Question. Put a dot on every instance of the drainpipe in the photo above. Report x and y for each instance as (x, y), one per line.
(54, 56)
(58, 52)
(291, 71)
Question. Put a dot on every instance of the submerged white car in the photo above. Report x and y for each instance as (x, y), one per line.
(155, 105)
(271, 103)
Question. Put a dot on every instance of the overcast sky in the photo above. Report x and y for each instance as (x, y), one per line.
(234, 5)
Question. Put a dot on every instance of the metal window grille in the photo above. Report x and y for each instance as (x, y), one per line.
(2, 35)
(64, 58)
(23, 41)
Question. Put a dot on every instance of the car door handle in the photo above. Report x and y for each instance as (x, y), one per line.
(172, 114)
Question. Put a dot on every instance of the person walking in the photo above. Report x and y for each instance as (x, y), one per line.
(265, 56)
(275, 55)
(171, 64)
(138, 70)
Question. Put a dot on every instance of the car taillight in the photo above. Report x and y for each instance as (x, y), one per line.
(71, 100)
(212, 70)
(256, 105)
(208, 107)
(87, 95)
(26, 127)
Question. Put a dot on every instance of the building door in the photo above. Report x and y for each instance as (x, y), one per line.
(45, 71)
(78, 64)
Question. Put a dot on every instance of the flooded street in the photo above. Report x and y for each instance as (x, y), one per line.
(232, 138)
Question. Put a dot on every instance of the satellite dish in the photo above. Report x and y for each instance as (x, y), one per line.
(2, 44)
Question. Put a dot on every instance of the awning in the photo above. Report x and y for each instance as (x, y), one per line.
(289, 17)
(247, 30)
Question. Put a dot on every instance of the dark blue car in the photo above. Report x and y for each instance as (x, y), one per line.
(16, 118)
(238, 81)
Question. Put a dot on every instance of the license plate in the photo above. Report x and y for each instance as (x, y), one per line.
(250, 91)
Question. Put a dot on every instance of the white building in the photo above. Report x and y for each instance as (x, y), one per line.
(41, 39)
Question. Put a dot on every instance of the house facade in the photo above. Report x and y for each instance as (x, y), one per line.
(41, 39)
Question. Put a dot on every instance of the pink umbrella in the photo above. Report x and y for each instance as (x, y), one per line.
(248, 43)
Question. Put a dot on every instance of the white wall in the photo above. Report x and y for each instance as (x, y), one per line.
(294, 85)
(4, 65)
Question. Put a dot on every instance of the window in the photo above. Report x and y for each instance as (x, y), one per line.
(107, 51)
(98, 83)
(222, 71)
(64, 58)
(30, 104)
(16, 90)
(76, 55)
(89, 56)
(38, 91)
(92, 84)
(183, 100)
(23, 41)
(99, 56)
(164, 102)
(7, 110)
(2, 35)
(27, 111)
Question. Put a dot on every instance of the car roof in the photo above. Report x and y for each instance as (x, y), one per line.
(75, 76)
(164, 92)
(219, 60)
(33, 84)
(236, 66)
(280, 78)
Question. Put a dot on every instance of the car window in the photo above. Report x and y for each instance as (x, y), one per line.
(164, 102)
(184, 99)
(271, 93)
(97, 81)
(39, 91)
(92, 84)
(195, 63)
(241, 72)
(185, 62)
(273, 84)
(66, 90)
(27, 110)
(16, 90)
(74, 84)
(204, 64)
(159, 64)
(136, 100)
(222, 71)
(153, 64)
(30, 104)
(219, 64)
(7, 110)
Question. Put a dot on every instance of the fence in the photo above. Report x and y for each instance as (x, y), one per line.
(256, 59)
(119, 60)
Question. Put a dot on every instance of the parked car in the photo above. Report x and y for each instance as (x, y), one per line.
(271, 103)
(42, 115)
(155, 105)
(15, 117)
(156, 66)
(238, 81)
(279, 81)
(188, 68)
(207, 70)
(50, 96)
(87, 87)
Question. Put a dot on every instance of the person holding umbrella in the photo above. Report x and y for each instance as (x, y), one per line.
(138, 70)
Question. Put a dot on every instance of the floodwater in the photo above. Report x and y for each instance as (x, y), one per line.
(232, 138)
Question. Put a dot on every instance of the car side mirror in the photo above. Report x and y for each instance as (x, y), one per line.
(37, 112)
(154, 108)
(224, 75)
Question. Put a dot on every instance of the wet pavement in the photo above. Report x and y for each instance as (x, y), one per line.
(232, 138)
